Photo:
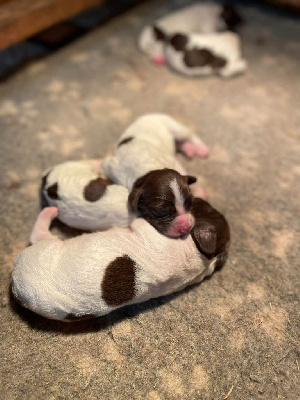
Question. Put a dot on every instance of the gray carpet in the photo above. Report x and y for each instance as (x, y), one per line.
(237, 331)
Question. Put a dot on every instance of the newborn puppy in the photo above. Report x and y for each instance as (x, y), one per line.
(93, 274)
(200, 18)
(144, 161)
(85, 198)
(212, 53)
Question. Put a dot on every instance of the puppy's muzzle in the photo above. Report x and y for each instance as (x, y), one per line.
(182, 224)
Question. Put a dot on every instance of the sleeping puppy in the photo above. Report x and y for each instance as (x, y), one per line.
(197, 18)
(94, 274)
(212, 53)
(85, 198)
(144, 162)
(88, 200)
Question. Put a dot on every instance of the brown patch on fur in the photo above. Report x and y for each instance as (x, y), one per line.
(179, 41)
(125, 141)
(52, 191)
(159, 34)
(218, 62)
(197, 58)
(95, 189)
(202, 57)
(118, 285)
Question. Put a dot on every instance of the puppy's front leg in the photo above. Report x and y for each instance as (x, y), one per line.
(40, 230)
(186, 142)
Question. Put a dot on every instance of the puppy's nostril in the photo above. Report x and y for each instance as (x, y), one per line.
(185, 229)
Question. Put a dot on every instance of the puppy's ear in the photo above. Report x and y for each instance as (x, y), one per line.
(135, 195)
(231, 17)
(190, 179)
(205, 238)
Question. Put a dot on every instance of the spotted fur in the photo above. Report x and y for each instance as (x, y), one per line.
(94, 274)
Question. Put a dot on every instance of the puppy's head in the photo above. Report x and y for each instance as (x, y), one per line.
(211, 233)
(151, 42)
(231, 17)
(163, 198)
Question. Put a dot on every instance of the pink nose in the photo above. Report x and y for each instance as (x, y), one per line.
(182, 224)
(159, 60)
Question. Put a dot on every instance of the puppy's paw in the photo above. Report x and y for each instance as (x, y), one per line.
(194, 148)
(159, 60)
(48, 214)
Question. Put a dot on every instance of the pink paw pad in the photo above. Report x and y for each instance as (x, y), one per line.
(202, 150)
(194, 150)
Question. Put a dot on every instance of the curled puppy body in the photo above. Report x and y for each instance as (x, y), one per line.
(144, 162)
(94, 274)
(85, 198)
(148, 144)
(198, 54)
(200, 18)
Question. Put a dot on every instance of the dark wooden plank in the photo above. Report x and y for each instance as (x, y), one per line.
(20, 19)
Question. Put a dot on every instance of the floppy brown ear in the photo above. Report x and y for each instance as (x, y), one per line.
(135, 195)
(133, 199)
(205, 239)
(190, 179)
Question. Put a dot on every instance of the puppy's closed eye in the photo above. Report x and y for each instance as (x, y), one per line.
(163, 211)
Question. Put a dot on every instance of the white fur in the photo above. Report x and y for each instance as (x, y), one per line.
(152, 147)
(224, 44)
(74, 210)
(201, 18)
(55, 278)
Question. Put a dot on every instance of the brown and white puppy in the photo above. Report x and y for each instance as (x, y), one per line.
(144, 162)
(85, 198)
(196, 18)
(94, 274)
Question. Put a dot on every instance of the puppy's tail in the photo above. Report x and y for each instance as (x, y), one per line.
(41, 227)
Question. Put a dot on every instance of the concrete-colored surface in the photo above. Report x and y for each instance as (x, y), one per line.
(238, 330)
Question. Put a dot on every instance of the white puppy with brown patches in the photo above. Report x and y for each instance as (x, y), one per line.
(144, 162)
(87, 199)
(196, 18)
(94, 274)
